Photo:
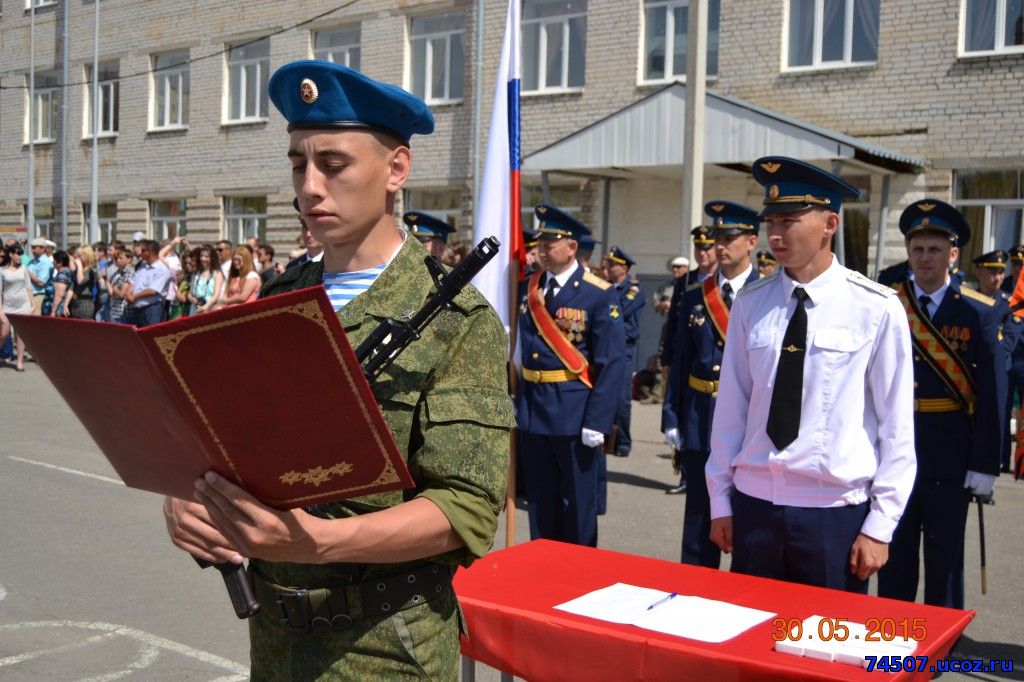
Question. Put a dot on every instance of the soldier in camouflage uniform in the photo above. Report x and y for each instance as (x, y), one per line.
(361, 589)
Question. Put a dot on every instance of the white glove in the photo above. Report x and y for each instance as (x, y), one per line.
(980, 484)
(592, 439)
(672, 438)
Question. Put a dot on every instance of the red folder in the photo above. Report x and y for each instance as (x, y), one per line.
(269, 394)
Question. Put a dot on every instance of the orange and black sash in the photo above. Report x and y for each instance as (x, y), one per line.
(936, 351)
(715, 305)
(567, 354)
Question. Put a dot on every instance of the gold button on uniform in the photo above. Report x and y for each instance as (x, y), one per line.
(716, 368)
(535, 355)
(721, 343)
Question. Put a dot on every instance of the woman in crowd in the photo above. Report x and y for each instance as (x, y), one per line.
(15, 296)
(181, 307)
(58, 296)
(208, 282)
(243, 280)
(83, 305)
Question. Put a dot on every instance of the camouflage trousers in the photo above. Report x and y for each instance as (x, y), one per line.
(421, 642)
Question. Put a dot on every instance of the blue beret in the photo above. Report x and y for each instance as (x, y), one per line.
(702, 238)
(426, 225)
(791, 186)
(319, 95)
(932, 215)
(555, 223)
(993, 259)
(617, 255)
(729, 218)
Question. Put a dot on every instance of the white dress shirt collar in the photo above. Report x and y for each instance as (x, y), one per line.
(818, 289)
(935, 296)
(562, 278)
(736, 282)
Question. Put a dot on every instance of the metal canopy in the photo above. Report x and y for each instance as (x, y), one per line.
(649, 134)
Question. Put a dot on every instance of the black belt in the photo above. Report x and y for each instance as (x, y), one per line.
(328, 608)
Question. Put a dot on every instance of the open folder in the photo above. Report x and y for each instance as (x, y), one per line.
(269, 394)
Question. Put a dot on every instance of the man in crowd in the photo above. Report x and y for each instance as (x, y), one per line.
(572, 352)
(631, 303)
(530, 244)
(692, 390)
(812, 456)
(430, 230)
(584, 251)
(314, 249)
(40, 270)
(361, 589)
(959, 398)
(149, 285)
(766, 263)
(1016, 262)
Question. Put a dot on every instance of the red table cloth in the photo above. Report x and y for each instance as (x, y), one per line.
(508, 598)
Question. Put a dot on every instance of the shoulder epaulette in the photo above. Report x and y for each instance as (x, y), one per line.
(870, 284)
(753, 286)
(591, 278)
(977, 296)
(695, 285)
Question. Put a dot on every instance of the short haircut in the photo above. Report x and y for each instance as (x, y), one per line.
(269, 249)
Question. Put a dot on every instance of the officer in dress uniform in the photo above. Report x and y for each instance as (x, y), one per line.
(693, 382)
(430, 230)
(572, 352)
(766, 263)
(530, 244)
(585, 249)
(990, 270)
(959, 379)
(631, 302)
(1016, 263)
(812, 457)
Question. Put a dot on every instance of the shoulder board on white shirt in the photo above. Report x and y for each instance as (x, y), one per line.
(591, 278)
(977, 296)
(754, 286)
(870, 284)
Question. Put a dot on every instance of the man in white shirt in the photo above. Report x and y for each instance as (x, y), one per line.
(812, 447)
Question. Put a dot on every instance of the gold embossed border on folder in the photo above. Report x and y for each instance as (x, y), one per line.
(310, 310)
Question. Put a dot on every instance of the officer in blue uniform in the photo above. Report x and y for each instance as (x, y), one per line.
(585, 249)
(530, 244)
(692, 390)
(1016, 263)
(766, 263)
(572, 352)
(960, 384)
(430, 230)
(990, 270)
(631, 302)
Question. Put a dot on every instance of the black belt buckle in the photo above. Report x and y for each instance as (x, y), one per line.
(289, 602)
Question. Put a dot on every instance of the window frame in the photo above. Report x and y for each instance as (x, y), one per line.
(164, 219)
(816, 63)
(429, 57)
(236, 232)
(161, 79)
(999, 43)
(110, 101)
(987, 239)
(667, 6)
(542, 37)
(40, 4)
(34, 113)
(323, 53)
(107, 224)
(262, 98)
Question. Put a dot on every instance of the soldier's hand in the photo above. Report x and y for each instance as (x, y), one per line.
(867, 556)
(254, 528)
(673, 439)
(721, 533)
(190, 528)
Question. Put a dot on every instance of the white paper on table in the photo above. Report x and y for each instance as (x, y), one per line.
(705, 620)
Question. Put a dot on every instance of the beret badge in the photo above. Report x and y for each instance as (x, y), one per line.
(308, 91)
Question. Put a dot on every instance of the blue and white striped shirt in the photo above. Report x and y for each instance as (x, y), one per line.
(342, 287)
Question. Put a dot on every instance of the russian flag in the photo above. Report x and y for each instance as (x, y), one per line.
(497, 207)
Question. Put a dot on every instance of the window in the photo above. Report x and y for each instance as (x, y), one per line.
(42, 119)
(993, 26)
(554, 45)
(568, 198)
(827, 33)
(170, 90)
(992, 201)
(665, 39)
(108, 88)
(340, 46)
(245, 217)
(39, 3)
(438, 62)
(445, 204)
(248, 69)
(857, 225)
(106, 217)
(46, 225)
(167, 219)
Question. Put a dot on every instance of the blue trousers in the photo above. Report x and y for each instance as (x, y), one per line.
(808, 545)
(561, 488)
(602, 483)
(697, 546)
(623, 441)
(151, 314)
(937, 510)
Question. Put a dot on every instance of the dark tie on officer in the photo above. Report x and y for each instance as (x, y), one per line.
(925, 302)
(784, 413)
(727, 294)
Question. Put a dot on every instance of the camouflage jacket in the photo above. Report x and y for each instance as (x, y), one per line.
(445, 400)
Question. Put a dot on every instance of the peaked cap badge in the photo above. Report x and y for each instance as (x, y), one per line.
(773, 192)
(926, 207)
(718, 208)
(771, 166)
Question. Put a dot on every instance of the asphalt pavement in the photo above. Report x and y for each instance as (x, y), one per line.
(91, 588)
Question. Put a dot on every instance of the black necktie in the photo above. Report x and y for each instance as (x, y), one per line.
(784, 412)
(549, 290)
(727, 294)
(925, 302)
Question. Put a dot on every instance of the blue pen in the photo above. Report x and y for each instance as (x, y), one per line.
(662, 600)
